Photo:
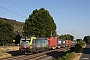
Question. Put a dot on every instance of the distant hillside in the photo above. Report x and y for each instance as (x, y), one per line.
(17, 25)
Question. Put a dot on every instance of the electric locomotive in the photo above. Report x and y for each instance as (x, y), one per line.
(24, 44)
(33, 44)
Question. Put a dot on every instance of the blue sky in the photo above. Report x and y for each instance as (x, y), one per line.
(71, 16)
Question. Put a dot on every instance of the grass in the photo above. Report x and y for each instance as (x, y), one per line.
(73, 55)
(5, 49)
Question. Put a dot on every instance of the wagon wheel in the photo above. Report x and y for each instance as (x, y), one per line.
(37, 50)
(43, 50)
(31, 52)
(22, 52)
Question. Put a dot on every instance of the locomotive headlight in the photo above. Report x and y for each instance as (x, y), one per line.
(26, 41)
(26, 37)
(25, 46)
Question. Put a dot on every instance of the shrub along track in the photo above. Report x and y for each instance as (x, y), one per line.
(38, 56)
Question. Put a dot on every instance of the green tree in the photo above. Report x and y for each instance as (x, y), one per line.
(62, 37)
(16, 24)
(87, 39)
(79, 40)
(66, 37)
(71, 37)
(40, 23)
(6, 32)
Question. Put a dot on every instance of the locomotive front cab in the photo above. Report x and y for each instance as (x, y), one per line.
(24, 44)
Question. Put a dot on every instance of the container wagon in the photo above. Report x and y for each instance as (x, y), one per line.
(74, 42)
(68, 42)
(60, 43)
(52, 43)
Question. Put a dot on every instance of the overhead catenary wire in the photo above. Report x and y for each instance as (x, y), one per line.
(19, 6)
(12, 12)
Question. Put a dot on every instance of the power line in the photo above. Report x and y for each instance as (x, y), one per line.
(19, 6)
(12, 12)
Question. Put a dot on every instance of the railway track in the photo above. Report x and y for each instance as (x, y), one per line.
(37, 56)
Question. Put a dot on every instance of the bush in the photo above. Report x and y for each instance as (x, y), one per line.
(82, 43)
(72, 49)
(77, 47)
(66, 57)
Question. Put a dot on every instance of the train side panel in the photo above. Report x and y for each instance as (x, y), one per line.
(42, 43)
(68, 42)
(52, 43)
(74, 42)
(61, 43)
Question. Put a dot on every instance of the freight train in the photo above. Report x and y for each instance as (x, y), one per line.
(35, 44)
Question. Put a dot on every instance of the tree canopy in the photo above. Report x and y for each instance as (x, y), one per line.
(87, 39)
(16, 24)
(66, 37)
(39, 23)
(79, 40)
(6, 32)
